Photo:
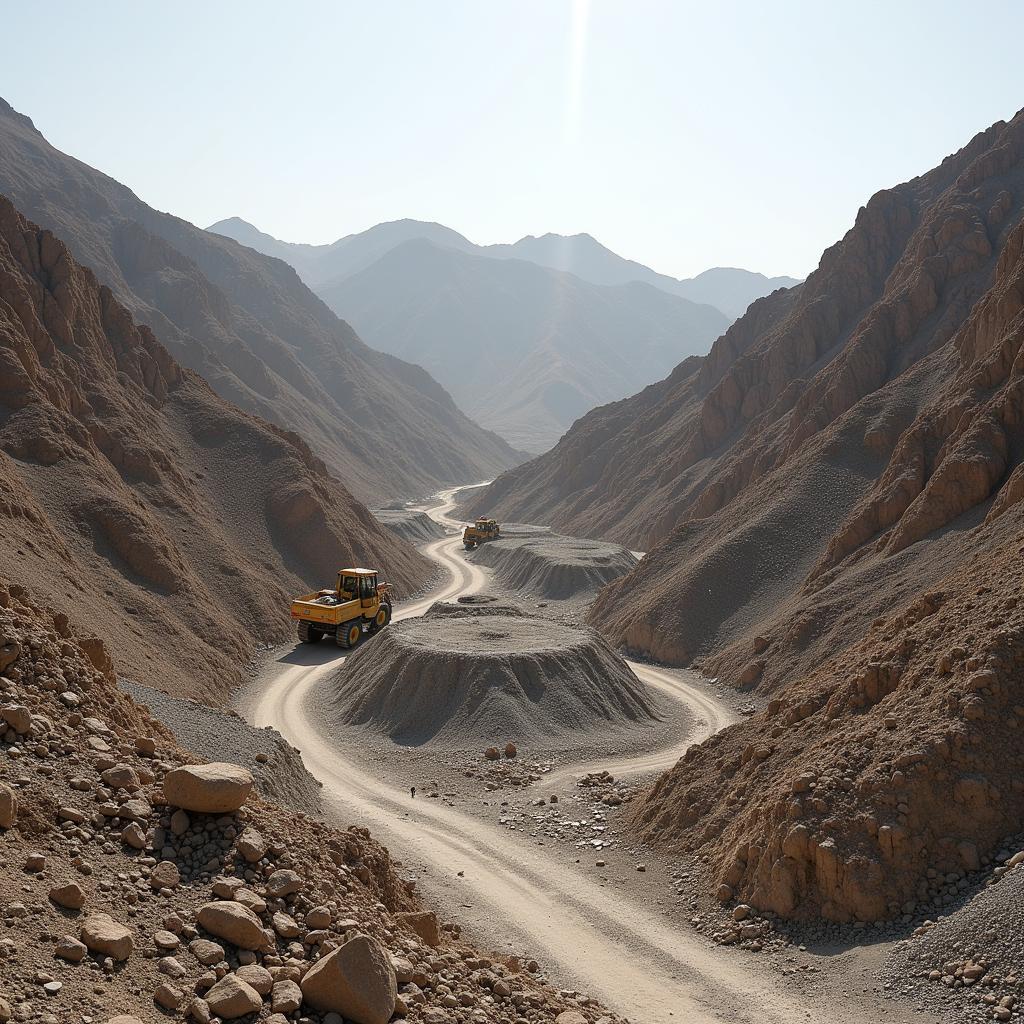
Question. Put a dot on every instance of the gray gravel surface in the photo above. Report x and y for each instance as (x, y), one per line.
(412, 525)
(554, 567)
(462, 676)
(986, 931)
(221, 735)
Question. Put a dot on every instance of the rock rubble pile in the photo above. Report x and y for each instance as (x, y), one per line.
(137, 883)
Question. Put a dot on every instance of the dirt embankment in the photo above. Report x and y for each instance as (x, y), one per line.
(462, 676)
(554, 567)
(411, 525)
(223, 735)
(871, 788)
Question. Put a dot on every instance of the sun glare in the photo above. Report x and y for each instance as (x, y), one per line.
(574, 70)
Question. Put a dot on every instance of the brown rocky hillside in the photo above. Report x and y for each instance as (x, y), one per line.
(762, 478)
(833, 503)
(137, 889)
(157, 514)
(249, 325)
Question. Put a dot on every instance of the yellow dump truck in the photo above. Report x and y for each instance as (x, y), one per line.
(358, 604)
(481, 530)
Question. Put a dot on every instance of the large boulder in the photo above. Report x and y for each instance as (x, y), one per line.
(8, 806)
(232, 997)
(70, 896)
(102, 934)
(424, 923)
(356, 980)
(234, 923)
(215, 788)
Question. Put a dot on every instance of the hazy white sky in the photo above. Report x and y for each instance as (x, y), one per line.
(684, 135)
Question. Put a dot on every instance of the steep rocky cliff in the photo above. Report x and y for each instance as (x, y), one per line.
(833, 502)
(159, 515)
(817, 420)
(252, 329)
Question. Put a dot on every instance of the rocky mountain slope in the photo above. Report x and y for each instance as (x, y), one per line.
(728, 289)
(832, 503)
(140, 885)
(159, 515)
(252, 329)
(523, 349)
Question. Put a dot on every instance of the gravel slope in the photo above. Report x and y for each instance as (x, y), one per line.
(225, 736)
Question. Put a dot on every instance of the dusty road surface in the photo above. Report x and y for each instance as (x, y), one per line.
(596, 939)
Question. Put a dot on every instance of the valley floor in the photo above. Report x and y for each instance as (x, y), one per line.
(532, 880)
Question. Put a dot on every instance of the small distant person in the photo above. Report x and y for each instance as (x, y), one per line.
(412, 790)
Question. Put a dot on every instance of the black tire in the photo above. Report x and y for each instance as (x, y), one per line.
(309, 634)
(381, 619)
(349, 634)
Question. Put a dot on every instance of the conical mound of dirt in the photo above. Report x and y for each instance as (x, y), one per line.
(462, 680)
(556, 567)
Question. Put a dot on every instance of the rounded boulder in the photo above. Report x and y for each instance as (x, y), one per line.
(232, 997)
(234, 923)
(215, 788)
(102, 934)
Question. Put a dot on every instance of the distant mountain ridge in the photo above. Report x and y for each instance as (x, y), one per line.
(524, 349)
(527, 337)
(729, 289)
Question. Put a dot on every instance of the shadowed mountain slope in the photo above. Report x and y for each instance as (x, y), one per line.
(157, 514)
(252, 329)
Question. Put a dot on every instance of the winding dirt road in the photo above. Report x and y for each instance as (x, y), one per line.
(593, 937)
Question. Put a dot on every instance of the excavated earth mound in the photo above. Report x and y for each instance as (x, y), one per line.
(553, 566)
(410, 524)
(464, 679)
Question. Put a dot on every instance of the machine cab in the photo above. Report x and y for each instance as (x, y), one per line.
(358, 585)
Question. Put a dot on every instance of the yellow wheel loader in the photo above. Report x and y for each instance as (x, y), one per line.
(481, 530)
(357, 605)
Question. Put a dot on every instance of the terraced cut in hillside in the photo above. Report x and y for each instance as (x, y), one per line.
(555, 567)
(157, 514)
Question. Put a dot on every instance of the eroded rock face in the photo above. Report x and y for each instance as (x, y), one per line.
(8, 806)
(216, 788)
(868, 788)
(355, 980)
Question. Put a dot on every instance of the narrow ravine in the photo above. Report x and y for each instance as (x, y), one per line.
(591, 937)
